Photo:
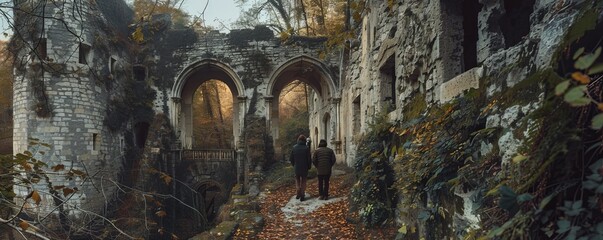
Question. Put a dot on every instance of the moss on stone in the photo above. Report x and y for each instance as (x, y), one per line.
(414, 107)
(586, 22)
(527, 90)
(224, 230)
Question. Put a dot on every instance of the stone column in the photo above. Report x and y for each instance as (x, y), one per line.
(239, 115)
(269, 107)
(336, 124)
(241, 169)
(175, 114)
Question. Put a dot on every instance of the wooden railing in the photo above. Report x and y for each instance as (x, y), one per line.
(209, 155)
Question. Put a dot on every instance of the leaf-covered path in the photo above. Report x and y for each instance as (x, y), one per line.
(288, 218)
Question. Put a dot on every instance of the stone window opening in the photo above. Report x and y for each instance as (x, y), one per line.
(95, 142)
(141, 131)
(392, 32)
(515, 23)
(326, 120)
(140, 73)
(84, 53)
(471, 9)
(356, 121)
(388, 83)
(316, 139)
(40, 49)
(112, 63)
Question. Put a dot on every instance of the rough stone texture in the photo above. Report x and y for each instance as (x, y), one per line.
(77, 99)
(413, 49)
(429, 59)
(225, 230)
(253, 63)
(459, 84)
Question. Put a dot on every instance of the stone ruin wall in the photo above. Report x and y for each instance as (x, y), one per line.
(425, 39)
(417, 42)
(242, 58)
(76, 94)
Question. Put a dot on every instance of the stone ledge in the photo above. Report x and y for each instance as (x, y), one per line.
(457, 85)
(223, 231)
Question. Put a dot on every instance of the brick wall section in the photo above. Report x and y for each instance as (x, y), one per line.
(78, 101)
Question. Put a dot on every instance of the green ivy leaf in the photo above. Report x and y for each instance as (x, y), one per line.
(594, 168)
(580, 102)
(598, 68)
(578, 53)
(597, 121)
(595, 177)
(577, 204)
(545, 201)
(600, 228)
(519, 158)
(524, 197)
(587, 60)
(564, 226)
(562, 87)
(508, 200)
(424, 215)
(574, 93)
(590, 185)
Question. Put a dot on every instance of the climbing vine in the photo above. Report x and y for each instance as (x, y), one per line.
(374, 195)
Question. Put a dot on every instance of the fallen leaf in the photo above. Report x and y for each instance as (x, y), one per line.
(24, 225)
(581, 77)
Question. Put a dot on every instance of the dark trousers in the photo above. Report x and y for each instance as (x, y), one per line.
(323, 185)
(300, 183)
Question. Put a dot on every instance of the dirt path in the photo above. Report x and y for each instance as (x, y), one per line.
(288, 218)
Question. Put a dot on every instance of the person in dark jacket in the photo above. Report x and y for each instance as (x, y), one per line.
(301, 159)
(323, 159)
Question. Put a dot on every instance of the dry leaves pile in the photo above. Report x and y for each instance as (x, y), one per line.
(327, 222)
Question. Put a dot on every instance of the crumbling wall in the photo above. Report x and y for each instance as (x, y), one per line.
(494, 88)
(61, 94)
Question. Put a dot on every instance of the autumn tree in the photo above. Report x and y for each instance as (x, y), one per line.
(212, 116)
(32, 175)
(145, 9)
(301, 17)
(6, 93)
(293, 114)
(6, 82)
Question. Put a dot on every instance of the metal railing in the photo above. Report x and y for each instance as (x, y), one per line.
(209, 155)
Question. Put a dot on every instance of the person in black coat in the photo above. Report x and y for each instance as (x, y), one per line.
(301, 159)
(323, 159)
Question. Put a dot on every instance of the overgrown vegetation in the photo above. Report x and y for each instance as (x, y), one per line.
(134, 104)
(550, 189)
(260, 149)
(374, 195)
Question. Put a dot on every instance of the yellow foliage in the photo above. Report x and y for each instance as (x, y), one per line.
(35, 196)
(581, 77)
(137, 35)
(24, 225)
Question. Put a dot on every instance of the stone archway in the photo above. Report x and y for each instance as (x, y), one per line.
(212, 195)
(184, 88)
(315, 74)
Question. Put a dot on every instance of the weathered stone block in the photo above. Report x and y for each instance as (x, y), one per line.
(456, 86)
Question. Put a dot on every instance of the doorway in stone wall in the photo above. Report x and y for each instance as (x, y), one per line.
(315, 87)
(207, 106)
(212, 115)
(292, 115)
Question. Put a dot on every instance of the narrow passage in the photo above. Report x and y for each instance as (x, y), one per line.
(288, 218)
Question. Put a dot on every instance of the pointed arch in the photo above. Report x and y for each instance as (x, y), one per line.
(208, 65)
(314, 73)
(188, 80)
(307, 69)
